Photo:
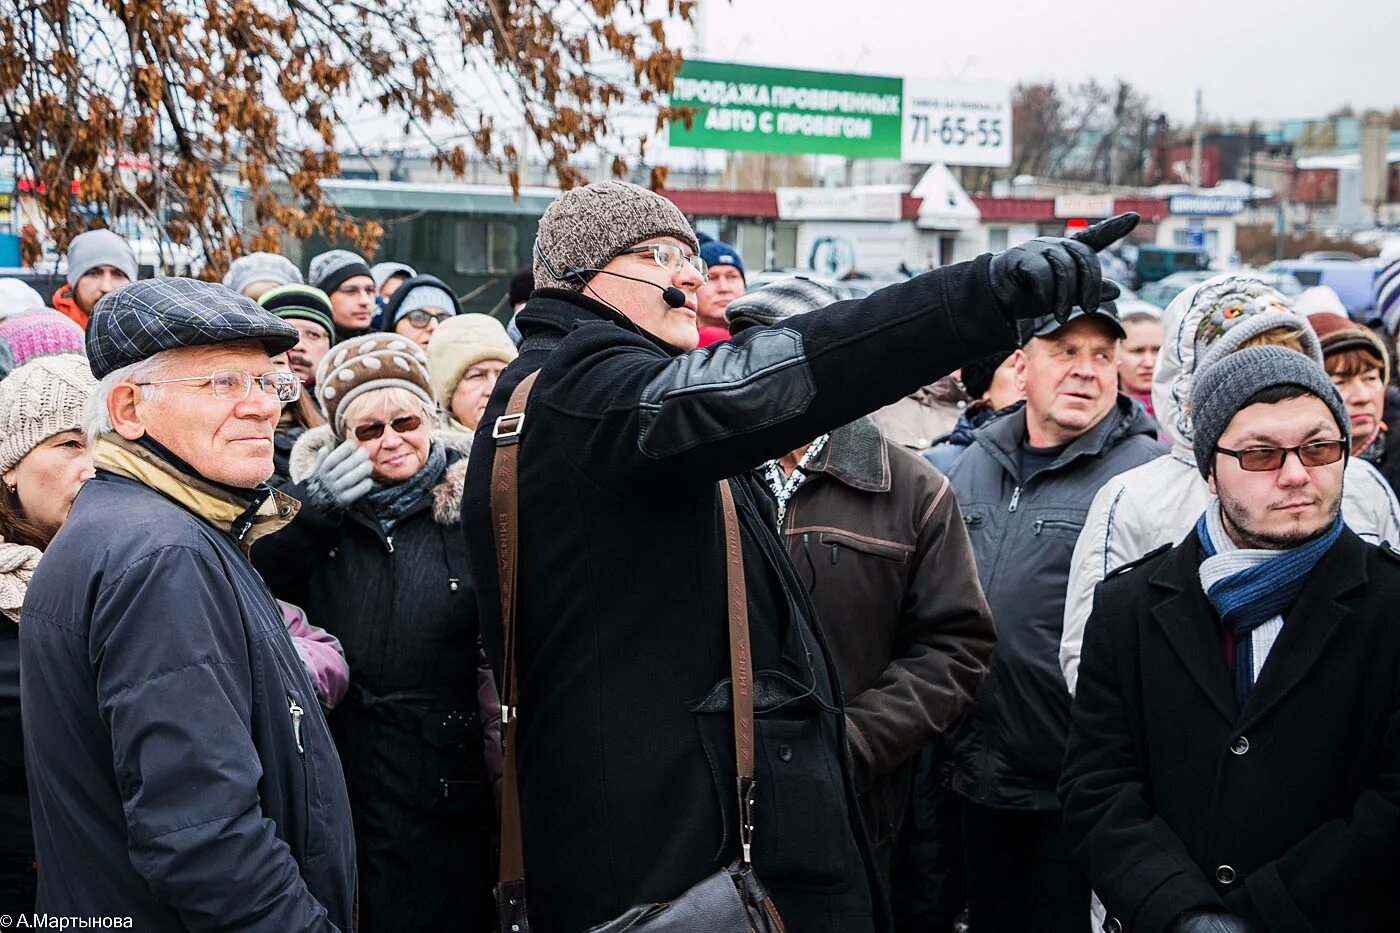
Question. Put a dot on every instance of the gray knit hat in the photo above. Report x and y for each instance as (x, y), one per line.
(1224, 387)
(96, 248)
(587, 227)
(261, 267)
(329, 270)
(778, 301)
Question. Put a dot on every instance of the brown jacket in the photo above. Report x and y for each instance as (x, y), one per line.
(877, 537)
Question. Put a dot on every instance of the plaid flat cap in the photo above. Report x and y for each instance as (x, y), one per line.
(139, 320)
(777, 301)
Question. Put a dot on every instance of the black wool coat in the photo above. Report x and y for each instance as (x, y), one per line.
(409, 731)
(1286, 812)
(626, 745)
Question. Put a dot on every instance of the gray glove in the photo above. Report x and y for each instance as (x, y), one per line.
(340, 478)
(1210, 921)
(1052, 275)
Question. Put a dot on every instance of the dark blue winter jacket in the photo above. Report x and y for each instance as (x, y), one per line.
(180, 770)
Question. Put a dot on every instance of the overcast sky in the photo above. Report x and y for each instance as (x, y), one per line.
(1264, 59)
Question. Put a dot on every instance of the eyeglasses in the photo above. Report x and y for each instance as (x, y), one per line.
(375, 429)
(420, 318)
(670, 257)
(236, 384)
(1267, 459)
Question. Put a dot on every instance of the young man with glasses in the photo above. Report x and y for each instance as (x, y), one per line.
(345, 277)
(1234, 754)
(417, 307)
(181, 769)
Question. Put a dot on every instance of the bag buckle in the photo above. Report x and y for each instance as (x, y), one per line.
(507, 428)
(746, 805)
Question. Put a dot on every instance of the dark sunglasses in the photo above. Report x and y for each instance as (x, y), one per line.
(1266, 459)
(375, 429)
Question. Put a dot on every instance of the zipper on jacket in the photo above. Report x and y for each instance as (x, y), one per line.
(389, 543)
(1015, 499)
(296, 713)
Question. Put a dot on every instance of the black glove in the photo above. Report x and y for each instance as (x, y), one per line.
(1210, 921)
(1051, 275)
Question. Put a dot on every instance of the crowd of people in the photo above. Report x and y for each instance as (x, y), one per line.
(968, 605)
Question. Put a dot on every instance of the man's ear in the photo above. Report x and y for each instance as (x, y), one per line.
(1210, 482)
(1019, 358)
(124, 408)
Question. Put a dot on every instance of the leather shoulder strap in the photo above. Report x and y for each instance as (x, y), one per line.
(505, 514)
(505, 517)
(740, 667)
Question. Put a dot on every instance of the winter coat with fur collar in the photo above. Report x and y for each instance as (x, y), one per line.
(410, 729)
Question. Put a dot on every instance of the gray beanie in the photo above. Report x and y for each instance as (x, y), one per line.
(96, 248)
(261, 267)
(588, 227)
(778, 301)
(1223, 388)
(329, 270)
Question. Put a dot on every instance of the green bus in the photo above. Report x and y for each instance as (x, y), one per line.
(474, 237)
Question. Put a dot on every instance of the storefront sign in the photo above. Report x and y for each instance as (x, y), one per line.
(756, 109)
(880, 203)
(956, 122)
(1204, 205)
(1068, 206)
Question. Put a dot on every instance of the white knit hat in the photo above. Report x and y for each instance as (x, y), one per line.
(42, 398)
(458, 344)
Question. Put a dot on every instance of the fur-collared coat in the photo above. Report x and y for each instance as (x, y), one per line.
(412, 730)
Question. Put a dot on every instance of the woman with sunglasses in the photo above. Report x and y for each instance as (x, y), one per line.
(417, 308)
(376, 555)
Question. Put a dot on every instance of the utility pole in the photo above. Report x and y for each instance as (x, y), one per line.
(1196, 146)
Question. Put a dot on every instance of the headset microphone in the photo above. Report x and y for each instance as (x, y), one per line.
(674, 297)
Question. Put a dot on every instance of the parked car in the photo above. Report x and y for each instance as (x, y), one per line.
(1161, 293)
(1155, 263)
(1352, 280)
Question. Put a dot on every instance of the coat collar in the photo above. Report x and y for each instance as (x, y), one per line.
(1189, 623)
(246, 517)
(556, 311)
(856, 455)
(1003, 436)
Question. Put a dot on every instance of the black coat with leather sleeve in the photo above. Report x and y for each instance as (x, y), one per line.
(1286, 812)
(626, 745)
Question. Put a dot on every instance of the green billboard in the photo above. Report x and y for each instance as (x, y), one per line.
(748, 108)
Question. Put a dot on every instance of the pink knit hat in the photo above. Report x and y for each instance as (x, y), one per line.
(40, 333)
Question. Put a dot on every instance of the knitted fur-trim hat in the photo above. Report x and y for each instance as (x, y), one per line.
(587, 227)
(40, 399)
(362, 364)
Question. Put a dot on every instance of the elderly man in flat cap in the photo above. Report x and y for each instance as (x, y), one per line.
(181, 771)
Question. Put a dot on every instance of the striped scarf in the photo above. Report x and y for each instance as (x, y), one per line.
(1253, 588)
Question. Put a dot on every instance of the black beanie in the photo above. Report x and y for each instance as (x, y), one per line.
(977, 376)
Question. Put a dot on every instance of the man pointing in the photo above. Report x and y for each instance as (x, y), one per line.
(625, 743)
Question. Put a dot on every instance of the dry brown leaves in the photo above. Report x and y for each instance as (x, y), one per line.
(215, 121)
